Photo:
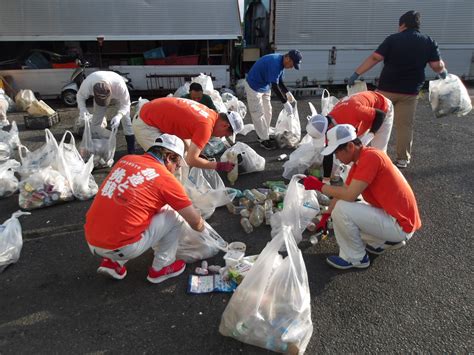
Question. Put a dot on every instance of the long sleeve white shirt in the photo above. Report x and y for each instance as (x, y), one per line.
(118, 87)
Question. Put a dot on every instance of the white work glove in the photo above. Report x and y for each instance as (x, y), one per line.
(290, 97)
(288, 108)
(115, 121)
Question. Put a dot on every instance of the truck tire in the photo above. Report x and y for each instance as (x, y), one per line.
(69, 97)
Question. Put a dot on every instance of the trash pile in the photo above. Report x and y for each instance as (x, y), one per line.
(449, 96)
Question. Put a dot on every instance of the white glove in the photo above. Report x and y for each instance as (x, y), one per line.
(288, 108)
(115, 121)
(290, 97)
(83, 115)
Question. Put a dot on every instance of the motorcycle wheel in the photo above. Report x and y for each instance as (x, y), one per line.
(69, 97)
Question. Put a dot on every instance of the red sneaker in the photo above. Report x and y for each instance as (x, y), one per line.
(112, 269)
(167, 272)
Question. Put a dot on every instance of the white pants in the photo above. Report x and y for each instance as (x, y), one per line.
(356, 224)
(98, 117)
(145, 134)
(260, 109)
(382, 136)
(162, 235)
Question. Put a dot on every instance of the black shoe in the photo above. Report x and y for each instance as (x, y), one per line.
(268, 145)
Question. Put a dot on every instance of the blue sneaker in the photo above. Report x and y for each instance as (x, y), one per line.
(340, 263)
(388, 246)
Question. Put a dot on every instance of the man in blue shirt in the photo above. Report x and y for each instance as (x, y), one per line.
(266, 72)
(405, 55)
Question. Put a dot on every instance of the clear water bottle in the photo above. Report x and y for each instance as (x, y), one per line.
(268, 211)
(246, 225)
(249, 195)
(257, 216)
(258, 195)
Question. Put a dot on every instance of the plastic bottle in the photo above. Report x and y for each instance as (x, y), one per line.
(259, 196)
(238, 193)
(201, 271)
(214, 268)
(234, 173)
(250, 196)
(245, 223)
(204, 264)
(245, 213)
(257, 215)
(268, 211)
(230, 207)
(311, 227)
(276, 196)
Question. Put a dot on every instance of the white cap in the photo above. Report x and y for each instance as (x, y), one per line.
(170, 142)
(317, 127)
(236, 121)
(339, 134)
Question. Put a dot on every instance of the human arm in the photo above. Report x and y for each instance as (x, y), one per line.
(193, 218)
(277, 90)
(439, 68)
(366, 65)
(193, 159)
(207, 100)
(346, 192)
(378, 120)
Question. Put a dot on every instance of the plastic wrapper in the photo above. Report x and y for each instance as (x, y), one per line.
(44, 188)
(8, 181)
(182, 90)
(449, 96)
(194, 246)
(11, 240)
(248, 159)
(259, 313)
(214, 147)
(288, 128)
(44, 156)
(206, 83)
(232, 103)
(102, 149)
(11, 137)
(206, 190)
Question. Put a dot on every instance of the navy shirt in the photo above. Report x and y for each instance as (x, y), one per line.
(265, 71)
(405, 57)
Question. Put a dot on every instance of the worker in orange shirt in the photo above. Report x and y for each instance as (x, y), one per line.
(369, 112)
(386, 219)
(142, 205)
(188, 120)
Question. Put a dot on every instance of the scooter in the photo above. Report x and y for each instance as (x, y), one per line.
(69, 91)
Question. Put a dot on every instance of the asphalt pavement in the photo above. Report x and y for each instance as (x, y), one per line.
(418, 299)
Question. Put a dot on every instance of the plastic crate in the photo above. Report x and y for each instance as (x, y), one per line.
(41, 122)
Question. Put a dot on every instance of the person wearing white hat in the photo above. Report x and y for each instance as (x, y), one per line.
(388, 217)
(368, 111)
(141, 205)
(188, 120)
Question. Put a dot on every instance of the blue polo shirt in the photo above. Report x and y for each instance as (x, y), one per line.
(265, 71)
(405, 57)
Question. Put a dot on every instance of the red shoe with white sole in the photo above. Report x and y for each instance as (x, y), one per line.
(167, 272)
(112, 269)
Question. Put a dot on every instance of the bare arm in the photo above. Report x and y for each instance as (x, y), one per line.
(192, 216)
(193, 159)
(346, 192)
(369, 63)
(438, 66)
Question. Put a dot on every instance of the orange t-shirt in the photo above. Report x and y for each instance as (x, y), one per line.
(134, 191)
(184, 118)
(358, 110)
(387, 187)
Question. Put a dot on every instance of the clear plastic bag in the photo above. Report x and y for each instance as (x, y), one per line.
(260, 313)
(8, 181)
(449, 96)
(206, 83)
(248, 159)
(23, 99)
(232, 103)
(214, 147)
(11, 137)
(102, 149)
(288, 128)
(40, 158)
(300, 206)
(79, 124)
(44, 188)
(327, 102)
(206, 190)
(302, 158)
(194, 246)
(182, 90)
(11, 240)
(76, 171)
